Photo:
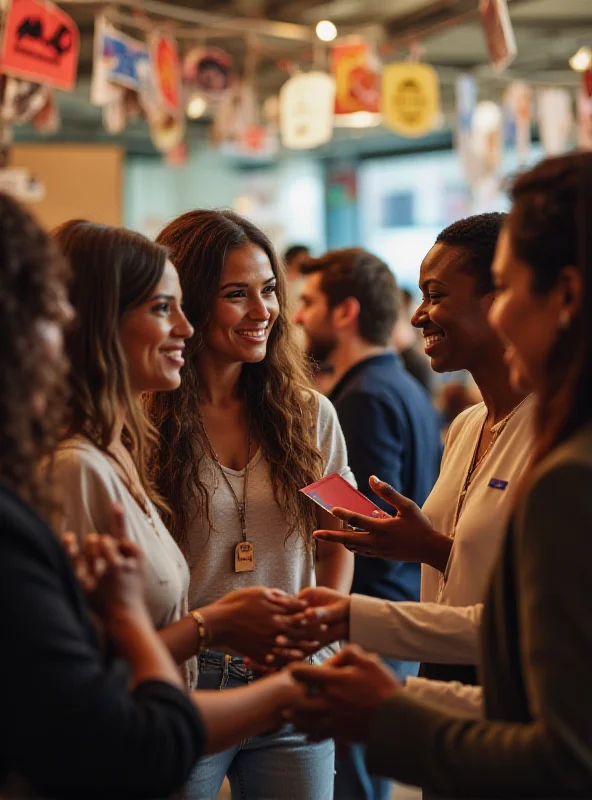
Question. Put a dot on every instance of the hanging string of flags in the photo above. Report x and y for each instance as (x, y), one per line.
(151, 77)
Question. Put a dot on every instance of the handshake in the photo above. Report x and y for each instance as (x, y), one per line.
(267, 626)
(272, 629)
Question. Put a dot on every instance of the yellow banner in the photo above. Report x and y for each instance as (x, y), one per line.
(410, 98)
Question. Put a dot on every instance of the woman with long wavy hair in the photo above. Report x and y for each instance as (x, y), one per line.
(239, 440)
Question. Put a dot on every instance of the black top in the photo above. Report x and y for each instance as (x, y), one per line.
(391, 431)
(69, 725)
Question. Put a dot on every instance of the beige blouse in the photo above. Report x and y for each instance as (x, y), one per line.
(88, 486)
(444, 626)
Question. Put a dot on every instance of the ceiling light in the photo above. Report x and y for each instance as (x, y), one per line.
(582, 60)
(196, 107)
(326, 30)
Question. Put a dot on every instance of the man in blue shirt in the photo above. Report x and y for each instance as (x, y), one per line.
(348, 308)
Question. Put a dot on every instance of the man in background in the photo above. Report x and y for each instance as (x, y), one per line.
(348, 308)
(294, 257)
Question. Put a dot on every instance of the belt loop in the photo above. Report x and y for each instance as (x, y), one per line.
(225, 665)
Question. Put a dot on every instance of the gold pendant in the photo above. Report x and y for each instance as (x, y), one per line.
(244, 557)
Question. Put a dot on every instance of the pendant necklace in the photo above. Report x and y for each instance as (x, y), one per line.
(244, 552)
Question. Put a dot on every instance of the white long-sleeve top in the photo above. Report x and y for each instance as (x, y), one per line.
(443, 627)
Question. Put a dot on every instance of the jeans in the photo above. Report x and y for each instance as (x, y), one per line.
(275, 766)
(352, 781)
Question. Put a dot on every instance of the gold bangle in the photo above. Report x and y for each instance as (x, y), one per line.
(201, 625)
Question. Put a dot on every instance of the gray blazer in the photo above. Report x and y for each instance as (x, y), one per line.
(536, 660)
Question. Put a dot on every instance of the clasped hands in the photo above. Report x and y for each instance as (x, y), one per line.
(273, 629)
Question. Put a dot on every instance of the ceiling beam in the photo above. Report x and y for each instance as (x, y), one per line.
(556, 24)
(169, 11)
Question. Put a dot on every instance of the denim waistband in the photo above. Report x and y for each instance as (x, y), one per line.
(218, 658)
(229, 666)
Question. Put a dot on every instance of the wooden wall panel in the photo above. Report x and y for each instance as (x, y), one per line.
(81, 181)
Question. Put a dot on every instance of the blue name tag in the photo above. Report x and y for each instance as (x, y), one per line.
(495, 483)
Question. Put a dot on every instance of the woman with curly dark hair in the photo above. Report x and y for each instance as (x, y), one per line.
(70, 726)
(238, 441)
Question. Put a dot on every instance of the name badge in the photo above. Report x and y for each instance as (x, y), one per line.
(496, 483)
(244, 557)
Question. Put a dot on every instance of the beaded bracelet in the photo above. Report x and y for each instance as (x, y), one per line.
(201, 624)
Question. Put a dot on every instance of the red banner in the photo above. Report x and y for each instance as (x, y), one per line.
(167, 71)
(357, 78)
(40, 44)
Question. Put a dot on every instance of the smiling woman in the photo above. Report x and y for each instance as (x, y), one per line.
(128, 338)
(239, 440)
(458, 536)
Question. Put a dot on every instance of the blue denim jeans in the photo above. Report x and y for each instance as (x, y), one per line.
(352, 781)
(275, 766)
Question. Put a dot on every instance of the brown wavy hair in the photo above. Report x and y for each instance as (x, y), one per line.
(277, 390)
(114, 271)
(550, 228)
(32, 290)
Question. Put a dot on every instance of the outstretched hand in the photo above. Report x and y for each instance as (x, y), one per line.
(400, 538)
(344, 696)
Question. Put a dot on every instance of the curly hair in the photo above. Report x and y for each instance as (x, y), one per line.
(549, 227)
(33, 290)
(114, 271)
(478, 235)
(277, 390)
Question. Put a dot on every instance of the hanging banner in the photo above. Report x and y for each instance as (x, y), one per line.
(101, 91)
(499, 33)
(585, 112)
(356, 71)
(518, 118)
(555, 118)
(237, 112)
(307, 103)
(410, 98)
(167, 72)
(40, 44)
(207, 70)
(123, 59)
(25, 102)
(487, 139)
(466, 102)
(487, 146)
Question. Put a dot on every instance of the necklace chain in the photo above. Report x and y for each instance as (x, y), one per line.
(476, 462)
(241, 507)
